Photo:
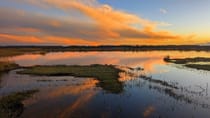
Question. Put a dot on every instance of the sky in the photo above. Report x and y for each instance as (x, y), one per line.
(104, 22)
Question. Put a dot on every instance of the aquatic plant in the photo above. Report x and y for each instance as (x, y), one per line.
(11, 106)
(163, 83)
(7, 66)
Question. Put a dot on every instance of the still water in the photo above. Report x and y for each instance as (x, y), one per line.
(66, 97)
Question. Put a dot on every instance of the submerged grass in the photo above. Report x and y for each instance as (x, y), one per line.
(161, 82)
(171, 93)
(11, 106)
(106, 74)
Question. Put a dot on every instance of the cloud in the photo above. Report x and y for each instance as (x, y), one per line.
(87, 22)
(165, 24)
(13, 39)
(163, 11)
(40, 25)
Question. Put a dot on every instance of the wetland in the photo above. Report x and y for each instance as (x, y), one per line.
(93, 84)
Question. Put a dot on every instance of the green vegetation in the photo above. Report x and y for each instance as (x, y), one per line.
(11, 106)
(199, 66)
(7, 66)
(191, 62)
(6, 52)
(106, 74)
(50, 80)
(171, 93)
(176, 96)
(187, 60)
(19, 50)
(163, 83)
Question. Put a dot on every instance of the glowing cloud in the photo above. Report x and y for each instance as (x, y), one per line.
(86, 22)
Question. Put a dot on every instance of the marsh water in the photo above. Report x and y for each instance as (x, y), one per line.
(67, 96)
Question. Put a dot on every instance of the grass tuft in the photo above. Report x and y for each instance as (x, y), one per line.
(11, 106)
(7, 66)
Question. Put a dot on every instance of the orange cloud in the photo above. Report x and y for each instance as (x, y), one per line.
(68, 41)
(109, 18)
(97, 24)
(22, 29)
(118, 25)
(114, 23)
(23, 39)
(5, 38)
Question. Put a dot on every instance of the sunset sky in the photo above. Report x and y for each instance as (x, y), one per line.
(104, 22)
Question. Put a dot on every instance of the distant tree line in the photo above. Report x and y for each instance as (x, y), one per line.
(115, 48)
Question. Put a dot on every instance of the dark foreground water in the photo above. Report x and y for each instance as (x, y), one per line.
(66, 97)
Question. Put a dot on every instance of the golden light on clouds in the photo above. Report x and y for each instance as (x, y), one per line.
(92, 23)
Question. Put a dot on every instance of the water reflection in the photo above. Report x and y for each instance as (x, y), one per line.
(148, 111)
(172, 91)
(147, 59)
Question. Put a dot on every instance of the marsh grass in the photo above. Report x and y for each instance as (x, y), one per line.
(199, 66)
(11, 106)
(19, 50)
(186, 60)
(161, 82)
(171, 93)
(7, 52)
(50, 80)
(7, 66)
(106, 74)
(191, 62)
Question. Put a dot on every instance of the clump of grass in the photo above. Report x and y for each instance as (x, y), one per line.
(106, 74)
(7, 66)
(11, 106)
(44, 80)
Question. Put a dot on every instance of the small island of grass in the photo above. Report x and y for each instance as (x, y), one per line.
(186, 60)
(191, 62)
(11, 106)
(106, 74)
(199, 66)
